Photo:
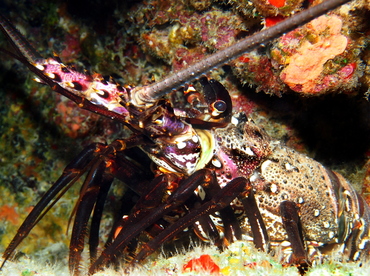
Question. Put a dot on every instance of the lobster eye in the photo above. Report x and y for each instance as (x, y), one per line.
(218, 107)
(159, 121)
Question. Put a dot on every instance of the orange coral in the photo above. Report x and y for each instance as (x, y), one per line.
(277, 3)
(9, 213)
(308, 62)
(202, 264)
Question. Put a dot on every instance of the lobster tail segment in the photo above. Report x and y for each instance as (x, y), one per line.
(354, 222)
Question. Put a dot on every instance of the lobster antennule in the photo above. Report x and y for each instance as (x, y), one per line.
(89, 92)
(151, 93)
(18, 42)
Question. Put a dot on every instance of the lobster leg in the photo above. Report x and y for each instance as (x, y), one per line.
(88, 159)
(229, 220)
(106, 166)
(98, 212)
(109, 165)
(219, 201)
(140, 220)
(98, 182)
(205, 228)
(293, 227)
(95, 180)
(70, 175)
(259, 232)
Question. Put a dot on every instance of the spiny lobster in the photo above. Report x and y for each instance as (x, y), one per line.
(216, 172)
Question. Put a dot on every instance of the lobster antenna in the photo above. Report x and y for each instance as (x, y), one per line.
(150, 93)
(18, 42)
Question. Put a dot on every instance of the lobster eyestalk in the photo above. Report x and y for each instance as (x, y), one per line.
(147, 95)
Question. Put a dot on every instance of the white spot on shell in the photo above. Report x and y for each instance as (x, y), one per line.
(289, 167)
(70, 84)
(362, 244)
(347, 193)
(101, 93)
(316, 213)
(216, 163)
(348, 205)
(181, 145)
(191, 88)
(40, 67)
(300, 200)
(234, 121)
(326, 224)
(201, 193)
(249, 151)
(51, 75)
(285, 244)
(356, 256)
(363, 224)
(342, 247)
(254, 176)
(195, 139)
(331, 234)
(265, 165)
(274, 188)
(53, 61)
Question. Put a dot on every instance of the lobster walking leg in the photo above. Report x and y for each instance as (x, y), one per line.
(259, 232)
(90, 159)
(97, 215)
(70, 175)
(230, 224)
(140, 220)
(93, 196)
(97, 183)
(293, 227)
(219, 201)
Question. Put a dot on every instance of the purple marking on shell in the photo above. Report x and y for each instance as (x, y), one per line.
(185, 158)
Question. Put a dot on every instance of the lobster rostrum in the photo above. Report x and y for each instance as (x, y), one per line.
(214, 171)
